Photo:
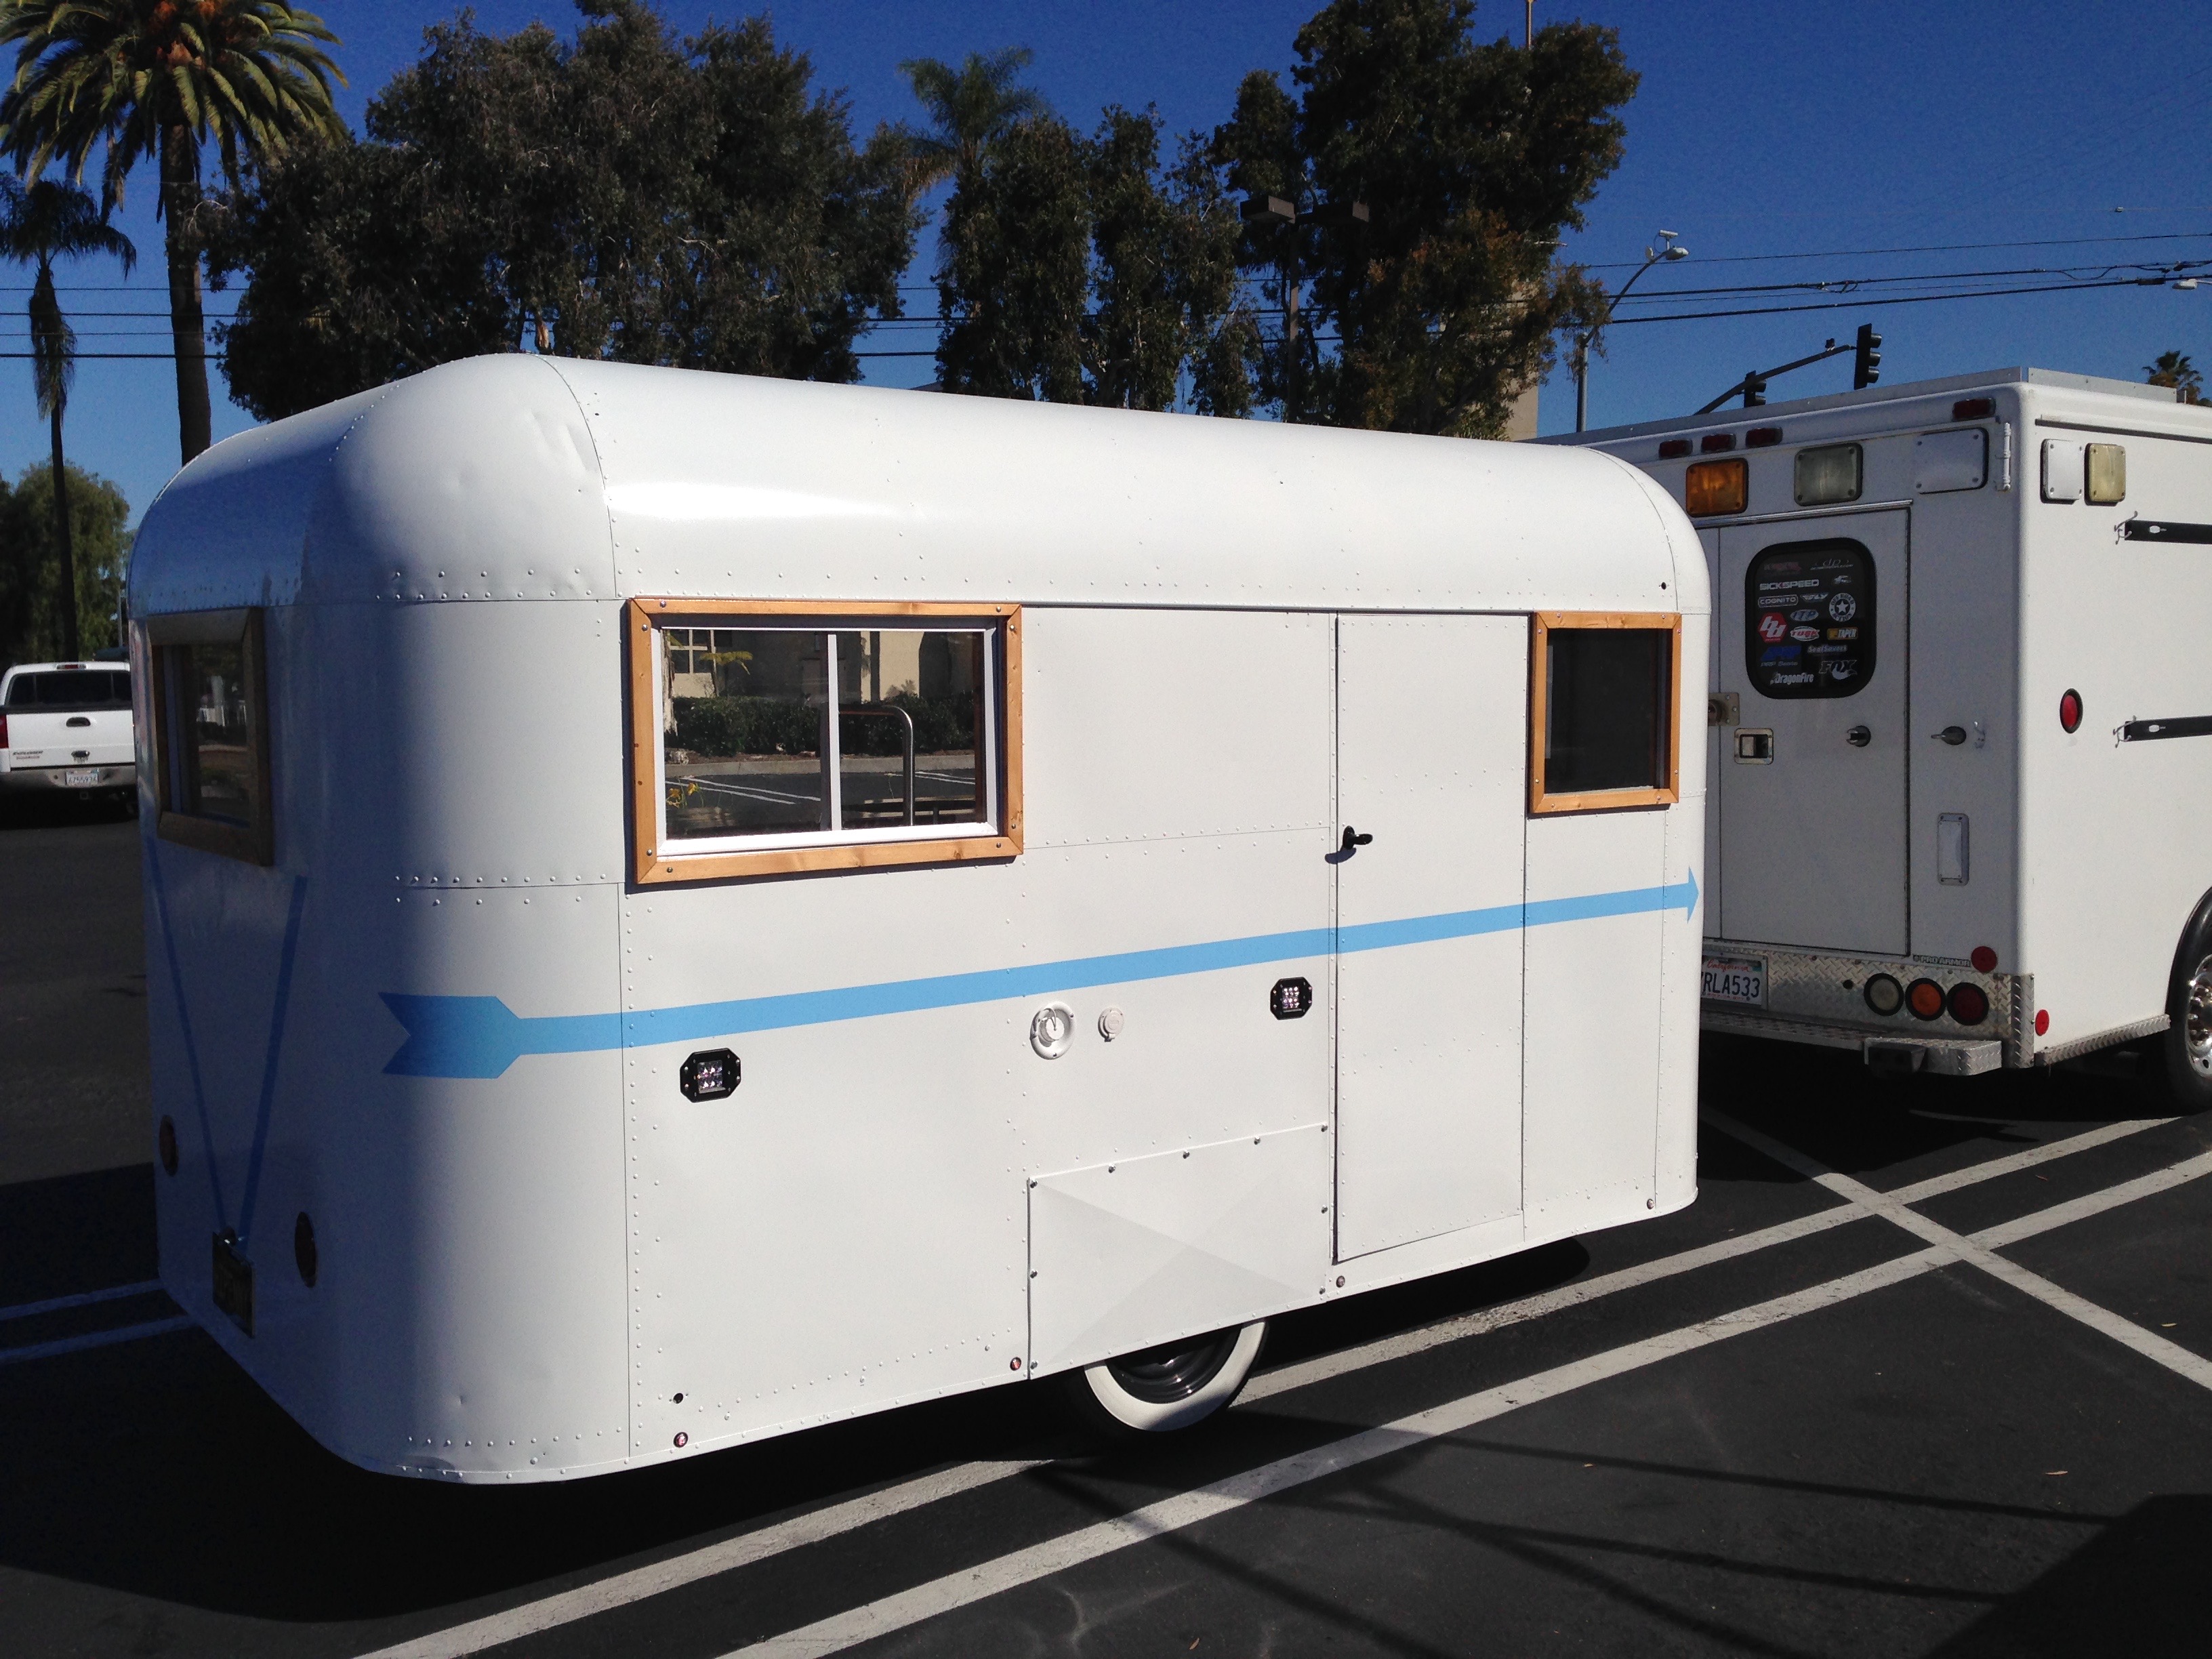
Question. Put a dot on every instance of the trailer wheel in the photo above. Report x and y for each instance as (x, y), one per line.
(1167, 1388)
(2188, 1009)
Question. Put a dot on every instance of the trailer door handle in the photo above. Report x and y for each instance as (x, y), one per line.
(1953, 735)
(1352, 838)
(1858, 736)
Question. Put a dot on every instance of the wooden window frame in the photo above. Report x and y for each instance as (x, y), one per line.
(651, 866)
(254, 842)
(1543, 623)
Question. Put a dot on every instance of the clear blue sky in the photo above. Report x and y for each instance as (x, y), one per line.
(1760, 130)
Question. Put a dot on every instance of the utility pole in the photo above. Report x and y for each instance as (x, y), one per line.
(1528, 35)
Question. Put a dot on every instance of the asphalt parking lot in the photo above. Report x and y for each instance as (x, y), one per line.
(1926, 1369)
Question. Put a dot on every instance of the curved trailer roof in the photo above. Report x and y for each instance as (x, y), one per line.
(523, 477)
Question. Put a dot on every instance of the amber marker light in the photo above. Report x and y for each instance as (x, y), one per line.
(1924, 997)
(1711, 487)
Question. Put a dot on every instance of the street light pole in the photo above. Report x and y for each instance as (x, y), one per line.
(1668, 252)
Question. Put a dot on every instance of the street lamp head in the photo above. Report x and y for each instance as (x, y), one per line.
(1677, 251)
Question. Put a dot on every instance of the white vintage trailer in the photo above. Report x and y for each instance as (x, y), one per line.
(684, 907)
(1960, 717)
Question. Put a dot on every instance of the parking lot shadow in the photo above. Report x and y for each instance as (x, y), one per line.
(2135, 1588)
(1828, 1104)
(75, 1232)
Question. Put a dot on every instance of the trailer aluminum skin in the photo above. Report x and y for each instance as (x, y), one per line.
(2012, 796)
(511, 1125)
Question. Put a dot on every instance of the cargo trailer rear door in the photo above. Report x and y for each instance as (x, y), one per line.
(1811, 780)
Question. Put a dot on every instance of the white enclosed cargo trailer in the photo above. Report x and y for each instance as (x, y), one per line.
(733, 903)
(1960, 717)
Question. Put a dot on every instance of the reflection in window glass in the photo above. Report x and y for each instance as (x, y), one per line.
(72, 689)
(1606, 697)
(741, 732)
(216, 758)
(909, 730)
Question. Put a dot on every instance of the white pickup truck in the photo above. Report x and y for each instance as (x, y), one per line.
(67, 725)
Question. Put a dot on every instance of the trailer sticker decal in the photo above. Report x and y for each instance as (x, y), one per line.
(1833, 579)
(480, 1036)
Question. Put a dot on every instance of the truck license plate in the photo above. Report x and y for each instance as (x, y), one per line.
(81, 777)
(1735, 979)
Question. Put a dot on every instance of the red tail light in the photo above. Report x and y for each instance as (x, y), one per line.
(3, 731)
(1969, 1004)
(2070, 711)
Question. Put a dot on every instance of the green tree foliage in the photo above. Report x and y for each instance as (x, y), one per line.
(52, 221)
(31, 597)
(1471, 160)
(2174, 369)
(154, 79)
(627, 195)
(1082, 269)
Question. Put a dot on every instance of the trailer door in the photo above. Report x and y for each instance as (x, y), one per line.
(1811, 782)
(1431, 716)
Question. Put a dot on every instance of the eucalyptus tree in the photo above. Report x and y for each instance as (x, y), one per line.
(39, 224)
(154, 79)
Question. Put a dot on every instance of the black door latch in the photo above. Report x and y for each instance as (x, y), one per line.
(1858, 736)
(1352, 839)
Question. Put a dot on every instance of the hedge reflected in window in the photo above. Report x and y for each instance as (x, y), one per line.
(1604, 704)
(750, 749)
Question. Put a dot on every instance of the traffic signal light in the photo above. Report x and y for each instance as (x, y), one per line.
(1866, 368)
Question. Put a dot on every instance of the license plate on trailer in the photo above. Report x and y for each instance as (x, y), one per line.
(81, 777)
(1735, 979)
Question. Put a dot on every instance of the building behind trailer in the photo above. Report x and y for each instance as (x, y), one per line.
(1960, 717)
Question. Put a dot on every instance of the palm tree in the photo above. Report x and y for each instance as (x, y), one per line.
(2174, 369)
(39, 225)
(970, 105)
(161, 80)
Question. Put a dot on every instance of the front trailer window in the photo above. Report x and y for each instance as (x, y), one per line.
(783, 742)
(1605, 697)
(211, 731)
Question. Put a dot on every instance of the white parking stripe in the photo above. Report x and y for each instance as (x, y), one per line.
(624, 1588)
(973, 1584)
(2080, 1209)
(605, 1594)
(2012, 1164)
(2153, 1347)
(92, 1339)
(81, 1299)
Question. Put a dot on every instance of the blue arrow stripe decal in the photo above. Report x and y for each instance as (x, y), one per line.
(481, 1036)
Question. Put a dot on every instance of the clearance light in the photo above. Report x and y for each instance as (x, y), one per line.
(1924, 997)
(305, 1256)
(2042, 1021)
(1985, 959)
(1884, 995)
(2069, 712)
(1672, 449)
(167, 1138)
(1716, 443)
(1831, 473)
(1969, 1003)
(1714, 487)
(1973, 409)
(1762, 437)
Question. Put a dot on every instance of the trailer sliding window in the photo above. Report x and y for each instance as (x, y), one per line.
(1604, 704)
(209, 715)
(773, 738)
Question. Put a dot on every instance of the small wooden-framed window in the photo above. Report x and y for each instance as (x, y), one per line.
(209, 705)
(1605, 701)
(774, 737)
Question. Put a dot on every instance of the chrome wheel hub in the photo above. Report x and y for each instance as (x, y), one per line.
(2196, 1019)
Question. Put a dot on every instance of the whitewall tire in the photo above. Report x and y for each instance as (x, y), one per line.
(1170, 1387)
